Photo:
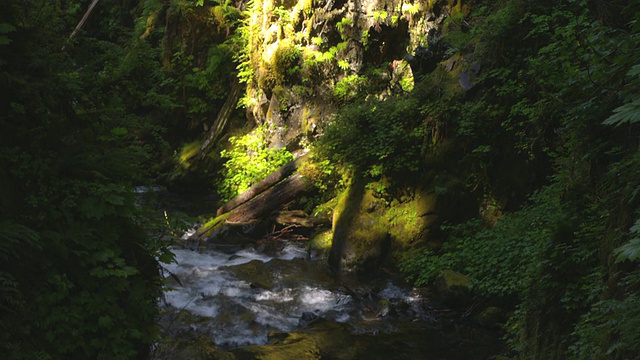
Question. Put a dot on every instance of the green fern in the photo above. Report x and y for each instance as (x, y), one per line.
(631, 250)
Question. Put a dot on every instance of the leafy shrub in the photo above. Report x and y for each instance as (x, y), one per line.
(611, 328)
(377, 137)
(349, 87)
(249, 161)
(502, 260)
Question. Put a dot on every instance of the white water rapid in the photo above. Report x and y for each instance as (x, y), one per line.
(239, 298)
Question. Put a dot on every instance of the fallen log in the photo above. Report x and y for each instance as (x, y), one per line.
(270, 200)
(274, 178)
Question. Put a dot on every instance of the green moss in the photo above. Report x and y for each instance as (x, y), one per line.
(323, 340)
(296, 347)
(211, 225)
(321, 240)
(453, 288)
(188, 152)
(360, 236)
(454, 279)
(286, 62)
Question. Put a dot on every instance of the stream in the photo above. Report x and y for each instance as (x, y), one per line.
(276, 299)
(273, 299)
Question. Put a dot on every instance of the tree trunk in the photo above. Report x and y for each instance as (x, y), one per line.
(82, 21)
(274, 178)
(270, 199)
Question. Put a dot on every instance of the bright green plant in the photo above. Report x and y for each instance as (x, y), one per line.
(343, 64)
(248, 161)
(343, 25)
(631, 250)
(380, 15)
(282, 13)
(317, 40)
(411, 9)
(364, 38)
(349, 87)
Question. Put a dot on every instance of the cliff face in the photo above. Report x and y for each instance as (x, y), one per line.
(303, 59)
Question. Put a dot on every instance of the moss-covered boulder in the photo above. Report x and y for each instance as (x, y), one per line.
(360, 242)
(325, 340)
(320, 244)
(452, 288)
(492, 318)
(411, 220)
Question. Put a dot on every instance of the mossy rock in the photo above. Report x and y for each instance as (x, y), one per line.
(254, 272)
(452, 288)
(492, 318)
(410, 221)
(183, 338)
(295, 347)
(361, 240)
(281, 273)
(201, 348)
(324, 340)
(320, 243)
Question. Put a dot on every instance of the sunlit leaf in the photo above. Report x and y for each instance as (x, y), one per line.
(627, 113)
(629, 251)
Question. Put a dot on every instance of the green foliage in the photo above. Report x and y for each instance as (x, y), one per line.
(377, 137)
(631, 250)
(5, 28)
(411, 9)
(349, 87)
(502, 261)
(244, 44)
(343, 25)
(249, 161)
(380, 15)
(566, 259)
(78, 274)
(343, 64)
(628, 113)
(282, 13)
(610, 329)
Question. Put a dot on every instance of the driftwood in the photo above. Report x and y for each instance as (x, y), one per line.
(270, 199)
(274, 178)
(286, 232)
(300, 219)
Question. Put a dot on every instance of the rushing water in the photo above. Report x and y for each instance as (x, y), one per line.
(274, 300)
(242, 297)
(241, 311)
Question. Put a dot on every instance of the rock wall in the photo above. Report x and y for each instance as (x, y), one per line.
(306, 58)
